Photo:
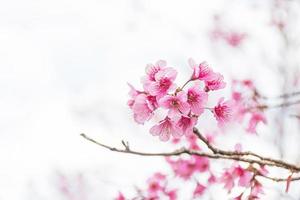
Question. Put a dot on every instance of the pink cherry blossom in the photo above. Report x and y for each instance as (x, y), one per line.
(228, 179)
(223, 111)
(199, 190)
(234, 39)
(155, 183)
(133, 93)
(185, 168)
(216, 82)
(201, 71)
(197, 99)
(163, 82)
(192, 140)
(165, 129)
(186, 124)
(256, 189)
(182, 168)
(201, 163)
(177, 105)
(151, 71)
(256, 117)
(243, 175)
(263, 171)
(142, 109)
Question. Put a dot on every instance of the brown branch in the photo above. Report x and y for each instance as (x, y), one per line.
(285, 104)
(217, 154)
(215, 150)
(281, 105)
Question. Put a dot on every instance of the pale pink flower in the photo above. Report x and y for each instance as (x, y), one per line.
(197, 99)
(256, 189)
(263, 171)
(177, 105)
(201, 71)
(216, 82)
(239, 109)
(243, 175)
(199, 190)
(202, 163)
(223, 111)
(183, 168)
(152, 101)
(228, 179)
(256, 117)
(192, 139)
(142, 109)
(133, 93)
(165, 129)
(151, 71)
(234, 39)
(163, 82)
(186, 124)
(155, 184)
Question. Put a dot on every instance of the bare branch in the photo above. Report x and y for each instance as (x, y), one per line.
(245, 153)
(217, 154)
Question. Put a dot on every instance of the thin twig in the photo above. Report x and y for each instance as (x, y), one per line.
(280, 179)
(281, 105)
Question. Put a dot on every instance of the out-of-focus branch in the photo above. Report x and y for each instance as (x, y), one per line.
(280, 105)
(216, 154)
(296, 116)
(282, 96)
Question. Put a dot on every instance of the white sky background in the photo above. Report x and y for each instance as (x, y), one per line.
(64, 66)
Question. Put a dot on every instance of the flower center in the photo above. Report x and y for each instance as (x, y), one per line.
(165, 83)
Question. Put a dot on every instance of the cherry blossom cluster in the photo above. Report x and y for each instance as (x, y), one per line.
(183, 105)
(247, 104)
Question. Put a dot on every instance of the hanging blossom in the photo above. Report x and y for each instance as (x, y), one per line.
(184, 105)
(223, 112)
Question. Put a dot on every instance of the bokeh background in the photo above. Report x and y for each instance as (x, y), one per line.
(64, 68)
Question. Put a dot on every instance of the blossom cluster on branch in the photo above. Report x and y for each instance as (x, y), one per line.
(183, 105)
(176, 110)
